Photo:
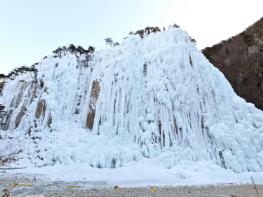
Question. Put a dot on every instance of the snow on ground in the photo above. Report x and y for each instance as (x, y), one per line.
(147, 172)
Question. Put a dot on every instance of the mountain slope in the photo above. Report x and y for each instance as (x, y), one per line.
(240, 58)
(153, 96)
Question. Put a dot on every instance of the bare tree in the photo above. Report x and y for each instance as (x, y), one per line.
(109, 41)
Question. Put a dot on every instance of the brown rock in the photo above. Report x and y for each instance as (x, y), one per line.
(20, 116)
(22, 85)
(1, 87)
(92, 104)
(8, 120)
(41, 109)
(240, 58)
(95, 90)
(90, 120)
(33, 90)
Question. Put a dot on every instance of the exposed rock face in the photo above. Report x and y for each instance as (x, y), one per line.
(20, 116)
(240, 58)
(92, 104)
(41, 109)
(1, 86)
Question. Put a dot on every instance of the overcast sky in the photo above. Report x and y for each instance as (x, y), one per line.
(31, 29)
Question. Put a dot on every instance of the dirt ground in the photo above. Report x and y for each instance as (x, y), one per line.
(33, 187)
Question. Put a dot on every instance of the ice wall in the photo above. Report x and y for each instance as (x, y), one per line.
(156, 97)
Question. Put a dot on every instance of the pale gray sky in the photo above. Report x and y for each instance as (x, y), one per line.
(31, 29)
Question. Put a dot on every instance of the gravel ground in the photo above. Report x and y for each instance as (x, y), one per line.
(14, 185)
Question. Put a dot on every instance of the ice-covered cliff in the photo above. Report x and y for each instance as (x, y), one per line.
(153, 96)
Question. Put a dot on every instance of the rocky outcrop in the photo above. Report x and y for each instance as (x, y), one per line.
(21, 86)
(41, 109)
(240, 58)
(20, 116)
(92, 104)
(2, 83)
